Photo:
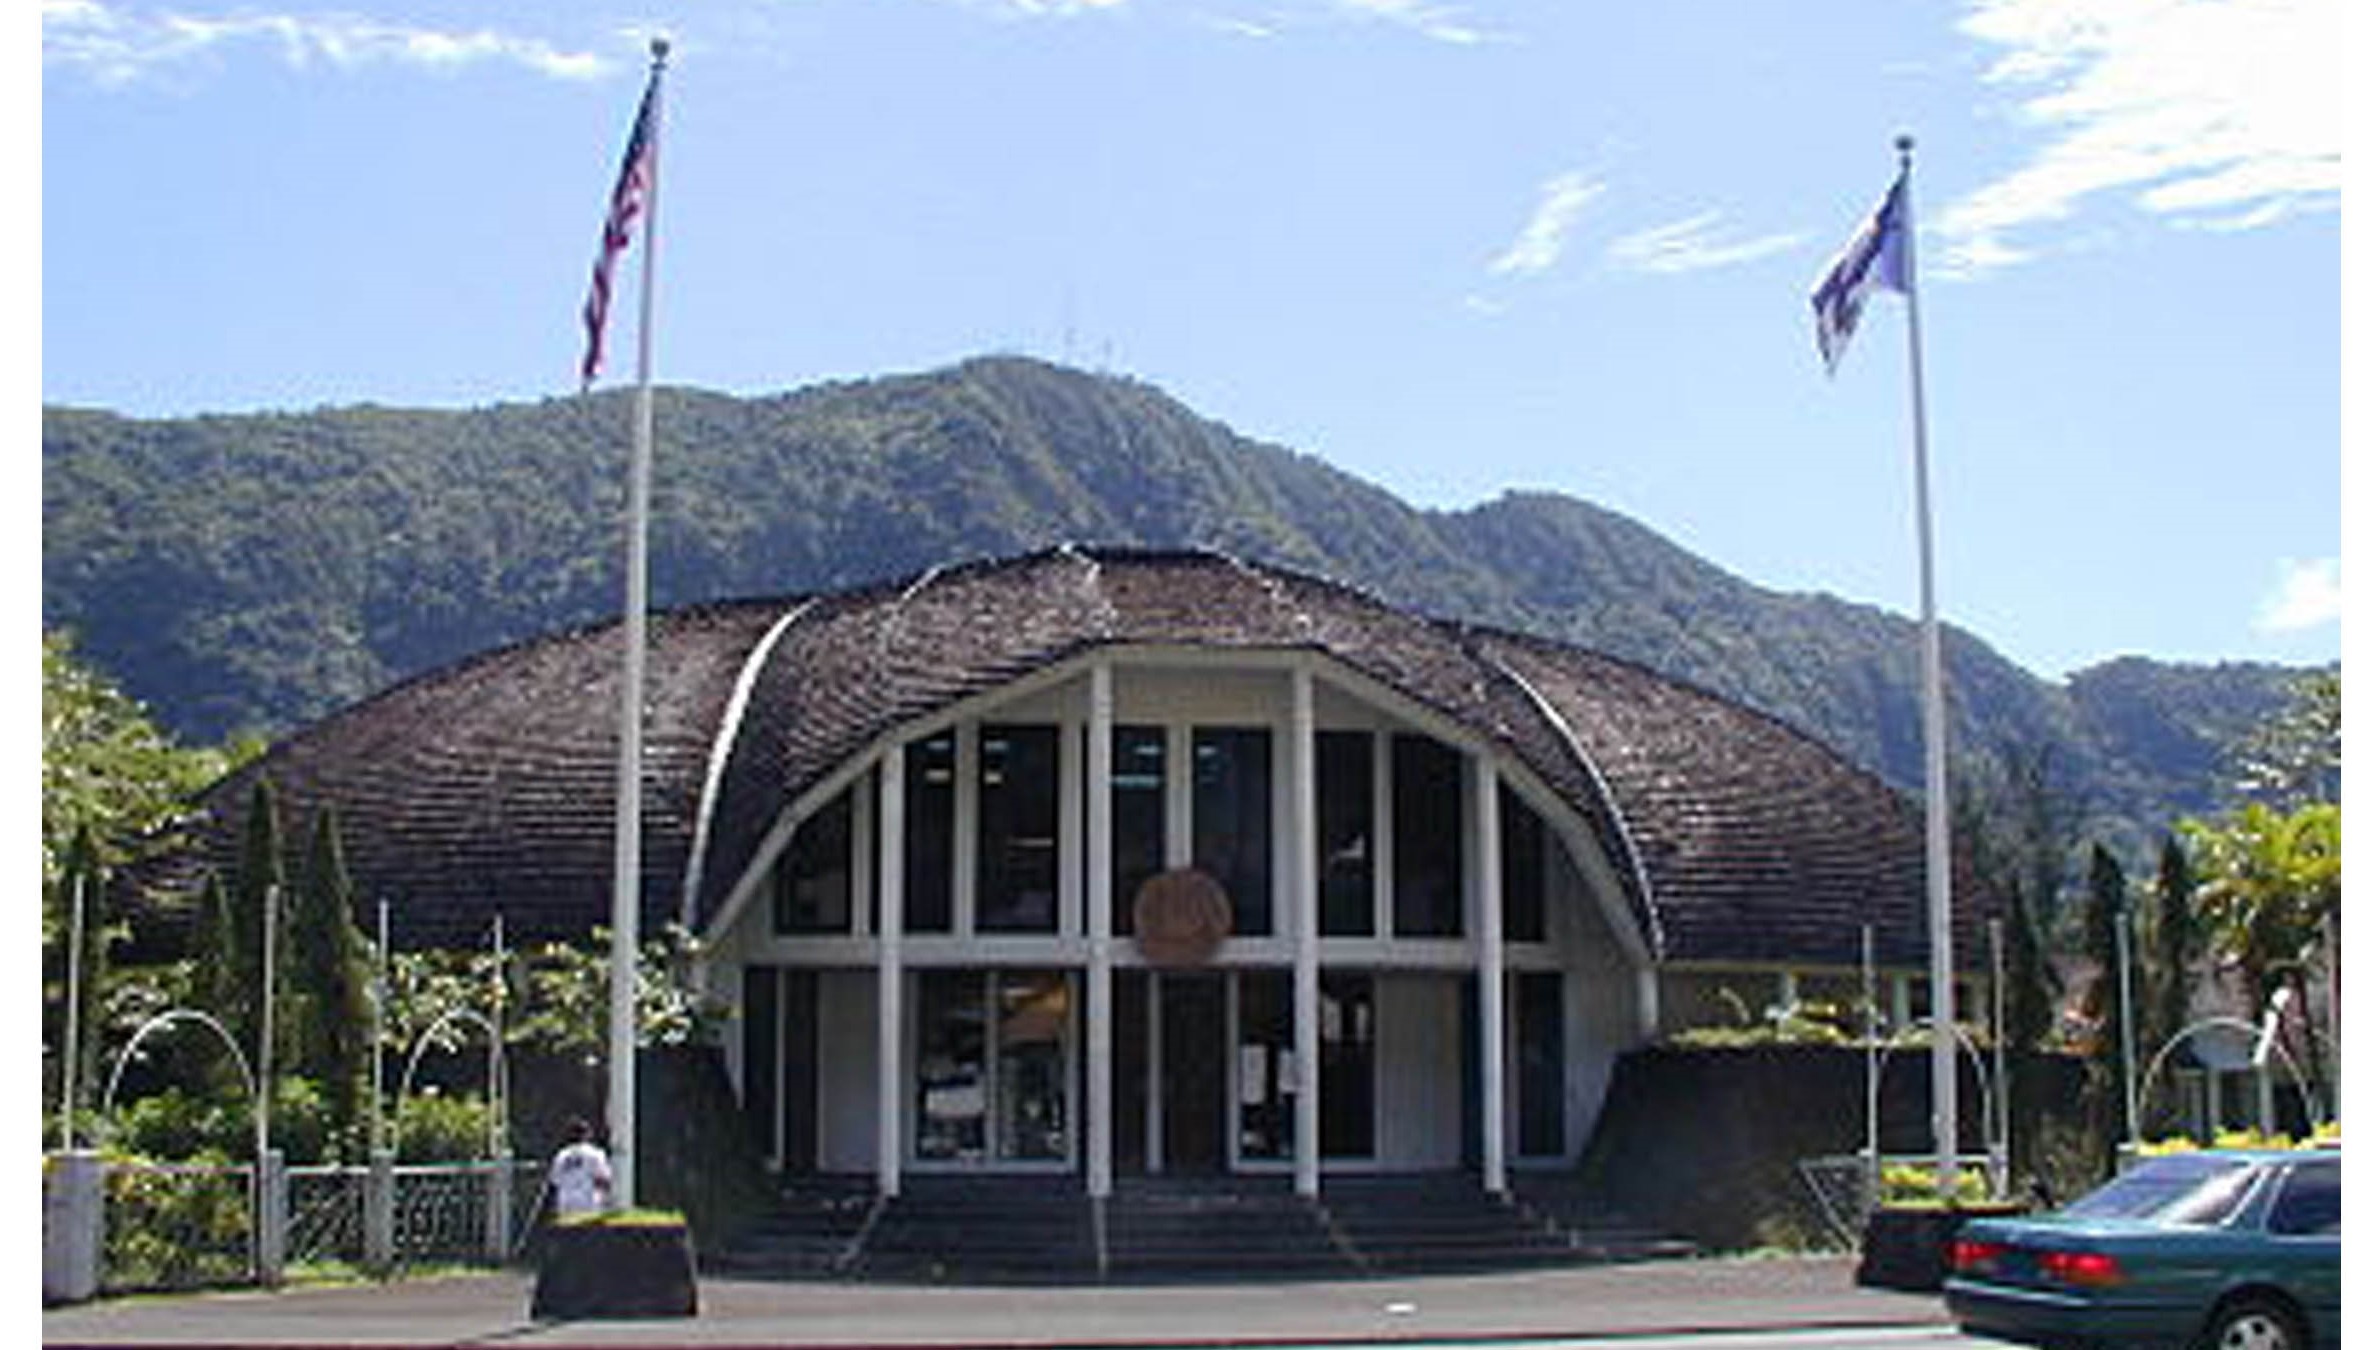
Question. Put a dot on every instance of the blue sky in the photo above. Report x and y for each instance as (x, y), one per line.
(1455, 248)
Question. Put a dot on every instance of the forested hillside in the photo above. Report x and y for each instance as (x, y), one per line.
(252, 572)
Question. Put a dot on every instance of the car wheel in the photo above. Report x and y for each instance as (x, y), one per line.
(2252, 1324)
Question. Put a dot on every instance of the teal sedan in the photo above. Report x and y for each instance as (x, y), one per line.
(2223, 1250)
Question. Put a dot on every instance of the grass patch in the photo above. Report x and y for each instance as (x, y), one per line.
(626, 1218)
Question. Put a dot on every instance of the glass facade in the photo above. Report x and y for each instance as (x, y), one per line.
(929, 835)
(1019, 829)
(1138, 817)
(1344, 1102)
(950, 1067)
(1233, 820)
(1344, 832)
(1265, 1074)
(1205, 1060)
(1427, 837)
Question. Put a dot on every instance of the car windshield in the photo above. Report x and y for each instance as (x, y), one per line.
(2190, 1188)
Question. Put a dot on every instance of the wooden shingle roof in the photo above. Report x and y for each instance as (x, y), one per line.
(489, 785)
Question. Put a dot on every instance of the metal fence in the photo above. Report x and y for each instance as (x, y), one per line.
(189, 1225)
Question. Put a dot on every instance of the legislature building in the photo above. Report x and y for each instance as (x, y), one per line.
(1096, 863)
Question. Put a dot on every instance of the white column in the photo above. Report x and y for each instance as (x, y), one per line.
(1385, 836)
(1299, 893)
(1488, 871)
(1098, 1124)
(890, 1161)
(966, 827)
(73, 1219)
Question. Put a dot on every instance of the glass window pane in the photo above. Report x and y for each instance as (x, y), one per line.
(1264, 1083)
(1524, 868)
(1344, 1008)
(1344, 831)
(1427, 824)
(760, 1057)
(1019, 829)
(1233, 820)
(1138, 817)
(1032, 1066)
(1537, 1018)
(813, 885)
(950, 1066)
(2311, 1204)
(929, 835)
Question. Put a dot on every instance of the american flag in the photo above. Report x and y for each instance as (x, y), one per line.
(1876, 258)
(624, 205)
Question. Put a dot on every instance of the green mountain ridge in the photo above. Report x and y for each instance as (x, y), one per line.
(257, 571)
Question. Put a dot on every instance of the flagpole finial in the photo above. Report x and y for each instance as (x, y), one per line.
(659, 46)
(1905, 144)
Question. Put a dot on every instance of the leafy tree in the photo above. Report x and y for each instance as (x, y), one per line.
(2270, 882)
(80, 876)
(105, 767)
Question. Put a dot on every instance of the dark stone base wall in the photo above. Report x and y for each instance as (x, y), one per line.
(1702, 1143)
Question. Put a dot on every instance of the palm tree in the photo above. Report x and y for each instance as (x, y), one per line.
(2269, 882)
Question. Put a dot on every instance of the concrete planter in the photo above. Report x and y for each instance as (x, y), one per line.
(1907, 1247)
(607, 1269)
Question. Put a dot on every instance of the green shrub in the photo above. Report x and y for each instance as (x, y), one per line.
(1913, 1184)
(175, 1125)
(432, 1127)
(174, 1229)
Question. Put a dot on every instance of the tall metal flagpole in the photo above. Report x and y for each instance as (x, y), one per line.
(625, 907)
(1936, 773)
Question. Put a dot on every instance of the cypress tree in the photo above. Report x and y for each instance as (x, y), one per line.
(2173, 941)
(2108, 896)
(328, 982)
(259, 883)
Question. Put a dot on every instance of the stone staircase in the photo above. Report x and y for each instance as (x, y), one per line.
(813, 1232)
(1596, 1234)
(1152, 1230)
(1436, 1222)
(1159, 1229)
(983, 1230)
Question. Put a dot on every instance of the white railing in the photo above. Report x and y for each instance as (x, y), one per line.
(116, 1226)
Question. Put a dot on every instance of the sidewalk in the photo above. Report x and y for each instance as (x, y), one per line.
(1659, 1297)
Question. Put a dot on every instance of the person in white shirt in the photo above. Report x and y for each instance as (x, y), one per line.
(580, 1177)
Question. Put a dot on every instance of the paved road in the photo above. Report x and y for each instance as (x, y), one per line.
(1659, 1299)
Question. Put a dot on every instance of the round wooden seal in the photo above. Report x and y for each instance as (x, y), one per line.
(1180, 917)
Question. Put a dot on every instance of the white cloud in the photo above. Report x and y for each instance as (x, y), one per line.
(1442, 23)
(1046, 9)
(2308, 595)
(2222, 113)
(1694, 244)
(1540, 243)
(116, 46)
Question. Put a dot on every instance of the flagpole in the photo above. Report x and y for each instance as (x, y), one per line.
(1936, 776)
(625, 907)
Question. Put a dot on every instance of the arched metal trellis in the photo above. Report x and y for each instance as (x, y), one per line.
(2310, 1102)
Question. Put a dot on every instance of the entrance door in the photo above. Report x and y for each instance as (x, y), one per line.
(1192, 1063)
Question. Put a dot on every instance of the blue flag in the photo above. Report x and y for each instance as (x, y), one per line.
(1876, 258)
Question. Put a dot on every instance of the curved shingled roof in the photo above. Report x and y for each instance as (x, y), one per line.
(489, 785)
